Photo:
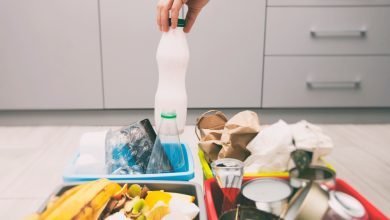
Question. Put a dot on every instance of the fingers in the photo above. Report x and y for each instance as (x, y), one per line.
(175, 11)
(163, 8)
(190, 19)
(164, 19)
(158, 17)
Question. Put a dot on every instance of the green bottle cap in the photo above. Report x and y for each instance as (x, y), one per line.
(180, 22)
(168, 115)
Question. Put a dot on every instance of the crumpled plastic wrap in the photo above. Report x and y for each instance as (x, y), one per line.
(128, 150)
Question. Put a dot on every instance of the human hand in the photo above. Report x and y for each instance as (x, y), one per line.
(164, 6)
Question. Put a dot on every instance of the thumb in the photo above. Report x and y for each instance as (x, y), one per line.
(190, 19)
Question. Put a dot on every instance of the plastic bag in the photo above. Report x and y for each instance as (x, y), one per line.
(128, 150)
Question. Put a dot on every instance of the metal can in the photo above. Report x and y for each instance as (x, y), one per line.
(318, 174)
(268, 194)
(344, 206)
(310, 202)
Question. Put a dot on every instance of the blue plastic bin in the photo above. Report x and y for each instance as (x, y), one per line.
(71, 176)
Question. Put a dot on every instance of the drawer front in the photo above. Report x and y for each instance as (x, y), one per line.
(326, 82)
(328, 31)
(293, 3)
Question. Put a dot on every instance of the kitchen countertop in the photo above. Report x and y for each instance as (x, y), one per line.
(32, 160)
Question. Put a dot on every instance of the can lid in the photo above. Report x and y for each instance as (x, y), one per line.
(266, 190)
(180, 22)
(345, 205)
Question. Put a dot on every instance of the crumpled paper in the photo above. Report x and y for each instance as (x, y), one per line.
(270, 149)
(310, 137)
(231, 139)
(209, 128)
(238, 132)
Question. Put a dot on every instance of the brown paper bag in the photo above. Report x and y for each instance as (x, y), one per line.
(220, 138)
(208, 129)
(237, 133)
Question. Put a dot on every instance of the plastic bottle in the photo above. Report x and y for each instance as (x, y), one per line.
(172, 59)
(167, 154)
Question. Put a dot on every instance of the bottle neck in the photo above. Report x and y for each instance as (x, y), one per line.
(168, 127)
(176, 31)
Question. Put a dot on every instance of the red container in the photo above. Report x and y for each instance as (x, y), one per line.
(213, 195)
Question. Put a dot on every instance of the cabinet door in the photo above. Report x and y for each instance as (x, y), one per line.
(226, 55)
(50, 55)
(129, 43)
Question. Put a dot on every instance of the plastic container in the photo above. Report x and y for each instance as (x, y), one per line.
(229, 173)
(213, 195)
(70, 175)
(169, 186)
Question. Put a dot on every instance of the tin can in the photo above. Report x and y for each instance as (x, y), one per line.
(318, 174)
(344, 206)
(267, 194)
(309, 202)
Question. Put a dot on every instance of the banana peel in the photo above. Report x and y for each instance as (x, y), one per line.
(82, 202)
(66, 195)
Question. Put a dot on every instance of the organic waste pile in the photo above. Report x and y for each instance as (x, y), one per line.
(104, 199)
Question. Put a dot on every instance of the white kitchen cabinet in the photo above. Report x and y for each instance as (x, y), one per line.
(49, 55)
(333, 57)
(332, 81)
(226, 48)
(129, 43)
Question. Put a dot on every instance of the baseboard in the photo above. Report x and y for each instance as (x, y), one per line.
(124, 117)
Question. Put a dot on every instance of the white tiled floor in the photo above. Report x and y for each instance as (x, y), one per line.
(32, 160)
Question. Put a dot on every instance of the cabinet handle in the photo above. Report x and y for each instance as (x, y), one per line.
(348, 84)
(338, 33)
